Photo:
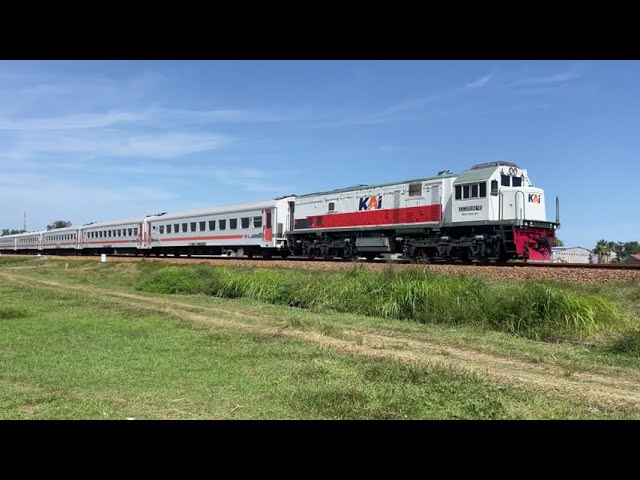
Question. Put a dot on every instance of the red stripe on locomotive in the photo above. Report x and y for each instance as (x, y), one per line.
(392, 216)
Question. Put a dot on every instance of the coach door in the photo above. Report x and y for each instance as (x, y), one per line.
(291, 217)
(267, 229)
(140, 234)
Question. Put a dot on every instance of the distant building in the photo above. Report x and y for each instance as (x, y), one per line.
(573, 255)
(632, 259)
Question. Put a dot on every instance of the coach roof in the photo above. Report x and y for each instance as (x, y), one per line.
(112, 223)
(60, 230)
(217, 210)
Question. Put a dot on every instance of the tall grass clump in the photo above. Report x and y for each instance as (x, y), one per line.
(528, 309)
(177, 279)
(548, 312)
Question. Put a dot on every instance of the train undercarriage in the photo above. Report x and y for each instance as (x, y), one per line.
(484, 243)
(473, 244)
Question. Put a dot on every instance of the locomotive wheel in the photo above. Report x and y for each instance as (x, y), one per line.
(422, 257)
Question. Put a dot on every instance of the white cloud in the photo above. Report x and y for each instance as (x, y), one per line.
(96, 144)
(71, 122)
(388, 113)
(480, 82)
(155, 117)
(547, 80)
(46, 200)
(250, 179)
(182, 116)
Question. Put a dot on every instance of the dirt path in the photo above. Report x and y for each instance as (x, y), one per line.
(615, 390)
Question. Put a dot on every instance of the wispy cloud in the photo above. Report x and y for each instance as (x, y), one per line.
(480, 82)
(151, 117)
(547, 80)
(71, 122)
(250, 179)
(97, 144)
(170, 116)
(85, 118)
(391, 112)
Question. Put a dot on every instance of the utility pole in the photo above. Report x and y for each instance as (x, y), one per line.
(24, 226)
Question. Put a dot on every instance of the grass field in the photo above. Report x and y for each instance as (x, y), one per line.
(80, 339)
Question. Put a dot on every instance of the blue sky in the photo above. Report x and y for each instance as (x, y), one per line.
(91, 141)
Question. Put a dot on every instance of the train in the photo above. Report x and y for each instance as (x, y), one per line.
(490, 212)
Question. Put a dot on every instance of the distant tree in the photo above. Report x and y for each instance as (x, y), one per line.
(558, 243)
(58, 224)
(8, 231)
(621, 249)
(631, 248)
(603, 250)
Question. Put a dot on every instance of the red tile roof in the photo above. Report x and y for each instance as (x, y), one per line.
(636, 256)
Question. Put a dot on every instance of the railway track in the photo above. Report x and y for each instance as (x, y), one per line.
(595, 266)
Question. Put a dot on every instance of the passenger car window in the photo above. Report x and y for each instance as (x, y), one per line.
(203, 226)
(474, 190)
(483, 189)
(244, 222)
(465, 191)
(223, 224)
(257, 222)
(458, 192)
(233, 223)
(193, 226)
(212, 224)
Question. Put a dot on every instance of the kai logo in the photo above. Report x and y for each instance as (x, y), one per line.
(370, 203)
(534, 198)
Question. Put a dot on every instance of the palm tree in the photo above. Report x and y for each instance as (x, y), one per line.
(603, 250)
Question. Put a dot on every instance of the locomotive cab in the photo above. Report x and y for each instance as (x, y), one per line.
(497, 192)
(502, 194)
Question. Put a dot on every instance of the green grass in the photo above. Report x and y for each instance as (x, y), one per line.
(540, 311)
(9, 260)
(75, 355)
(65, 355)
(288, 290)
